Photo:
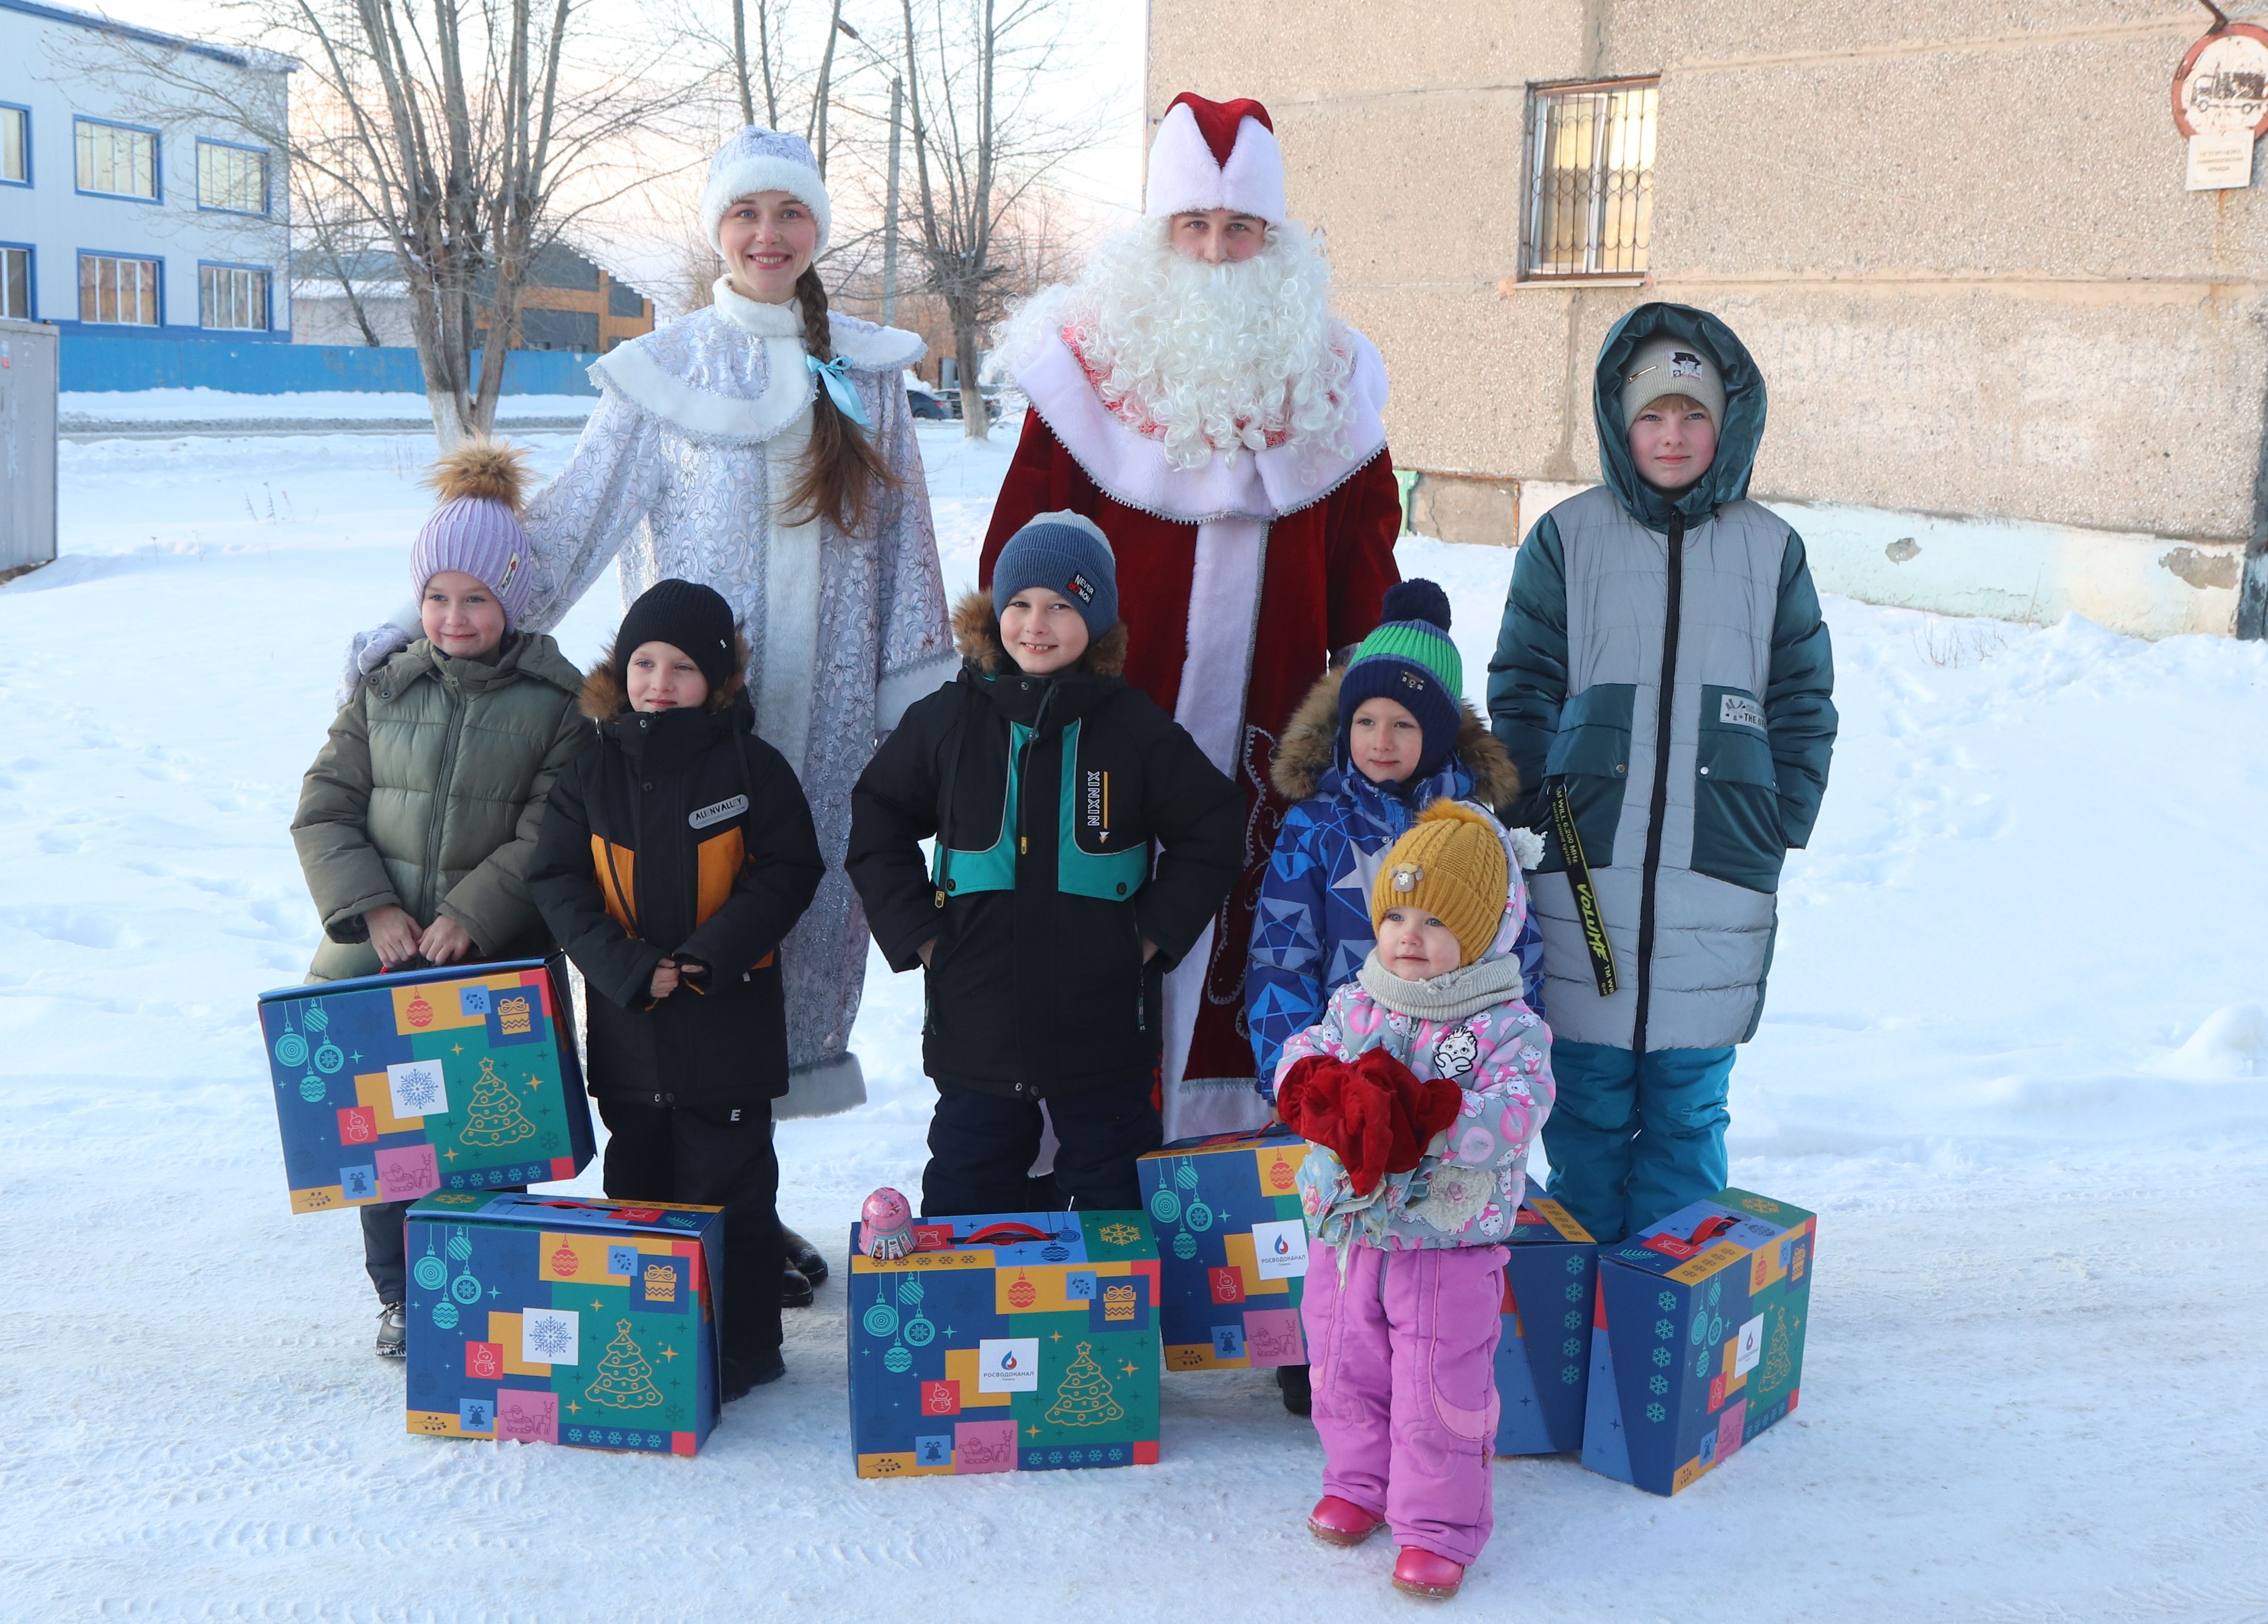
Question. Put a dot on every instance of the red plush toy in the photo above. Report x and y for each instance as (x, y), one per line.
(1374, 1112)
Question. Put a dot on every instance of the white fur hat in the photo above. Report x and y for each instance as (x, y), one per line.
(763, 160)
(1215, 154)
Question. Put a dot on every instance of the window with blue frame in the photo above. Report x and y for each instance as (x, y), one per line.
(15, 282)
(233, 297)
(118, 289)
(15, 146)
(231, 178)
(116, 161)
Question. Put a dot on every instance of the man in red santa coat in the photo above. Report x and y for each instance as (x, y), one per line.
(1194, 395)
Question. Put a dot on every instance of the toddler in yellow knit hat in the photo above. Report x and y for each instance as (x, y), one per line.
(1416, 1256)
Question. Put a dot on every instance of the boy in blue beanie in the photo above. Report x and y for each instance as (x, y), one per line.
(1370, 748)
(1042, 925)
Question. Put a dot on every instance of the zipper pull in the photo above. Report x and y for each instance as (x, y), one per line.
(1023, 845)
(939, 900)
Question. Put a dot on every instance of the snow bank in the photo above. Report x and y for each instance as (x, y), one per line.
(2021, 958)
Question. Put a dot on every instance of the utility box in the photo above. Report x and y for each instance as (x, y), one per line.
(27, 444)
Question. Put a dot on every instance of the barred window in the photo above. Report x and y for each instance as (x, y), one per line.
(16, 284)
(15, 146)
(115, 289)
(231, 178)
(116, 161)
(1591, 193)
(232, 297)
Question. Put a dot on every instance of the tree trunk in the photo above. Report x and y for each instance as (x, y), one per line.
(975, 419)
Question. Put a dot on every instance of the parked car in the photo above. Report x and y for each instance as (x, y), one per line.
(922, 399)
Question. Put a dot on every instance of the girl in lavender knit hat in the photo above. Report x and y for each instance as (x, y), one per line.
(417, 820)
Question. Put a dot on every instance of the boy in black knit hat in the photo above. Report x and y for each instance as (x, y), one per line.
(674, 858)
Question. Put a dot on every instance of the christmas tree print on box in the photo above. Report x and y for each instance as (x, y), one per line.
(1696, 1341)
(1231, 1249)
(563, 1320)
(1543, 1356)
(394, 1087)
(1012, 1342)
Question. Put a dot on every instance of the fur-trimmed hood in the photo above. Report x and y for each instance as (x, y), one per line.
(1309, 748)
(977, 634)
(606, 695)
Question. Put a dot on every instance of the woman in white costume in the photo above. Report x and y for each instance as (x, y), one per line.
(763, 447)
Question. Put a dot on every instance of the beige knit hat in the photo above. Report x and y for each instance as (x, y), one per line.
(1451, 864)
(1672, 366)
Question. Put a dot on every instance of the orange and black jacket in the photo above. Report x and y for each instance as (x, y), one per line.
(683, 836)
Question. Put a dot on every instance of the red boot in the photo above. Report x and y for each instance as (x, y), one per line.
(1342, 1522)
(1421, 1573)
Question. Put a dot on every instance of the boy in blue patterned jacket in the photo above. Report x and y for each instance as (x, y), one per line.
(1370, 748)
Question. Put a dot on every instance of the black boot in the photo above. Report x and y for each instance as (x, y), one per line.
(1291, 1379)
(734, 1378)
(795, 1288)
(803, 1257)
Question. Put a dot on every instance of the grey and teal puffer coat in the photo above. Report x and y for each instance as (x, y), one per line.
(1687, 795)
(428, 794)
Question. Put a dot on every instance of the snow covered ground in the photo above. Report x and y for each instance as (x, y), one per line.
(2014, 1055)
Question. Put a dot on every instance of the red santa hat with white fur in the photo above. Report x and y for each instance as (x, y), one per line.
(1215, 154)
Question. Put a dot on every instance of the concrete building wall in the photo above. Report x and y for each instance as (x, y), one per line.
(1953, 233)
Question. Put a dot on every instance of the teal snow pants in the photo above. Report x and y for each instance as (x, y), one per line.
(1633, 1137)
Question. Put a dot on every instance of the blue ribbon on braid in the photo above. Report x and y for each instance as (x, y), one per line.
(835, 375)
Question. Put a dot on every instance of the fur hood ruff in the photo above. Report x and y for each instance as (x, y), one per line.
(1311, 742)
(605, 695)
(977, 634)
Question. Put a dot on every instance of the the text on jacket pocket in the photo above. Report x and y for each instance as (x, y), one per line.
(717, 813)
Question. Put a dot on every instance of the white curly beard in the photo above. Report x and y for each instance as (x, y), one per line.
(1205, 358)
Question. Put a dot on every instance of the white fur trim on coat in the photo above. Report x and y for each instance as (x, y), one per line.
(1184, 177)
(1131, 468)
(825, 1088)
(636, 372)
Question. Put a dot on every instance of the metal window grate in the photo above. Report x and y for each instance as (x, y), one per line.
(231, 178)
(233, 299)
(115, 289)
(16, 284)
(116, 161)
(1591, 195)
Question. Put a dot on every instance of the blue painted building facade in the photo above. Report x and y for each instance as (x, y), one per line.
(128, 209)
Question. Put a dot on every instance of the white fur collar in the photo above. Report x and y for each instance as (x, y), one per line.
(781, 320)
(736, 372)
(1131, 468)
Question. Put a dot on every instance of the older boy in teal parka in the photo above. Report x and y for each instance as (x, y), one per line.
(1656, 892)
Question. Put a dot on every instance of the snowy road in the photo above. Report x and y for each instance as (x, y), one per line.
(2012, 1055)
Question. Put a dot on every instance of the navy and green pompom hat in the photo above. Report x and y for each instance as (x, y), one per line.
(1411, 660)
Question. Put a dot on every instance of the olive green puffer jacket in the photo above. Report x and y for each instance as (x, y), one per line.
(429, 796)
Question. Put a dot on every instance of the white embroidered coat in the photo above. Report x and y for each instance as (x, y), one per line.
(682, 472)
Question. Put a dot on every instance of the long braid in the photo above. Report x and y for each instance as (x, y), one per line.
(841, 472)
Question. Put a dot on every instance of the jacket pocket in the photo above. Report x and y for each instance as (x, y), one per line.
(1590, 755)
(1736, 830)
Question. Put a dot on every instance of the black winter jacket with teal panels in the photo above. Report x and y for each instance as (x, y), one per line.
(1687, 797)
(1046, 794)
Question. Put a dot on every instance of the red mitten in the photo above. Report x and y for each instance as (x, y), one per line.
(1420, 1109)
(1333, 1105)
(1414, 1111)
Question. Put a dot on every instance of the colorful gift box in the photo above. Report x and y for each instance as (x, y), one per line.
(392, 1087)
(560, 1319)
(1544, 1358)
(1699, 1342)
(1231, 1249)
(1022, 1341)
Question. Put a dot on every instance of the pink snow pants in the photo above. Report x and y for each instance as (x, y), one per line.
(1404, 1356)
